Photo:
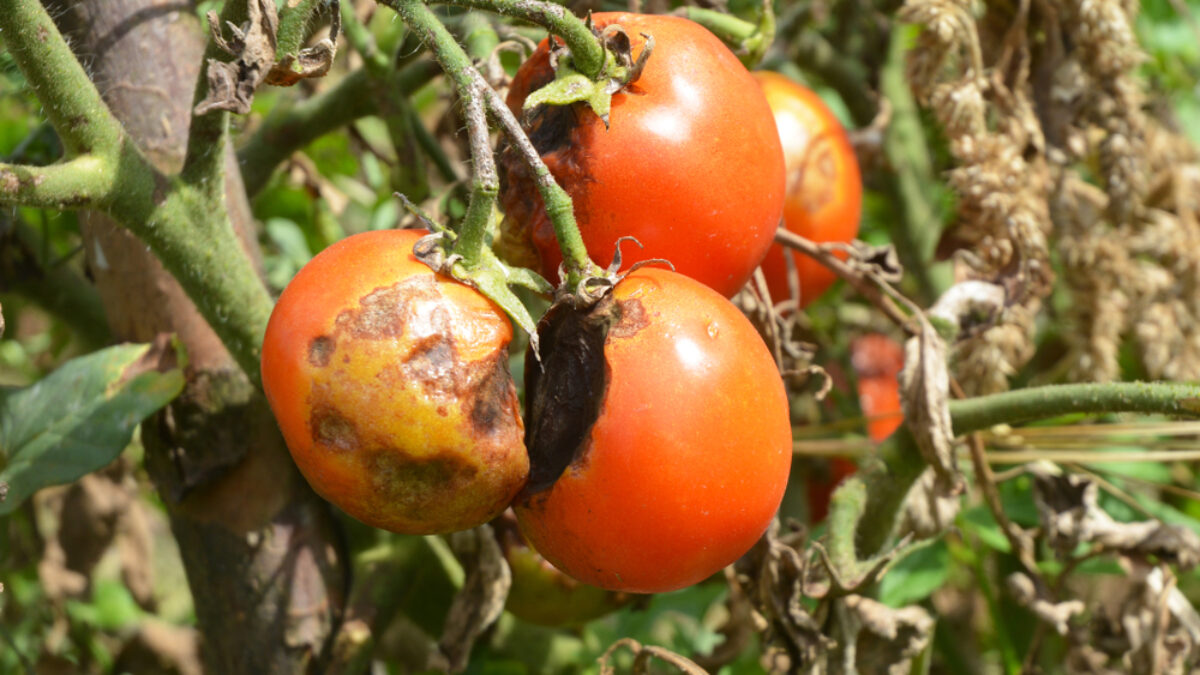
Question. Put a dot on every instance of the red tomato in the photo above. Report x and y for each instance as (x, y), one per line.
(686, 464)
(690, 165)
(877, 360)
(824, 188)
(391, 386)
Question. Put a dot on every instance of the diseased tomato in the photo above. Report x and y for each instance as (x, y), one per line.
(659, 436)
(877, 361)
(690, 164)
(391, 386)
(824, 187)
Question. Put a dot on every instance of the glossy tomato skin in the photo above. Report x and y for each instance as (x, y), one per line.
(688, 460)
(824, 186)
(390, 384)
(690, 164)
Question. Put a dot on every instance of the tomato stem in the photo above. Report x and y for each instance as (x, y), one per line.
(477, 96)
(586, 51)
(749, 41)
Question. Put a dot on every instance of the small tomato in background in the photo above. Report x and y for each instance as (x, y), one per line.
(877, 361)
(541, 594)
(690, 163)
(824, 186)
(390, 384)
(684, 457)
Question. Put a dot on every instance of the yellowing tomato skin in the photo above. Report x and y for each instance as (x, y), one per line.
(690, 163)
(687, 462)
(824, 185)
(390, 385)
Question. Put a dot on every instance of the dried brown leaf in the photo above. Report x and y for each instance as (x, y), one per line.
(480, 601)
(888, 639)
(643, 654)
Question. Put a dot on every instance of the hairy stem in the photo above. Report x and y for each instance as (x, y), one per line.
(586, 52)
(1025, 405)
(85, 181)
(71, 101)
(470, 83)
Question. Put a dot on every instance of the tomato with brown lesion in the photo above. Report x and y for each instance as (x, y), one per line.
(659, 434)
(689, 162)
(824, 185)
(390, 384)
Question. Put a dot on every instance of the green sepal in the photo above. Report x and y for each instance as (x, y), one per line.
(571, 86)
(491, 277)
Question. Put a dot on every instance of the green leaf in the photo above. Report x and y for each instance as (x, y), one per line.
(917, 576)
(79, 418)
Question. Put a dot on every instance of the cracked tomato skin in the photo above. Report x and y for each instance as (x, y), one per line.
(824, 186)
(688, 460)
(391, 386)
(690, 164)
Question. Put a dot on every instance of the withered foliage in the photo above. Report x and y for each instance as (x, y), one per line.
(1048, 128)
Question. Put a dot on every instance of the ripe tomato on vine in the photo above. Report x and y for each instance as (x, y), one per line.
(689, 163)
(678, 446)
(824, 186)
(391, 386)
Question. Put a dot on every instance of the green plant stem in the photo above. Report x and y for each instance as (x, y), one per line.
(749, 40)
(71, 101)
(287, 130)
(586, 52)
(458, 66)
(294, 23)
(888, 482)
(84, 181)
(1025, 405)
(204, 161)
(182, 222)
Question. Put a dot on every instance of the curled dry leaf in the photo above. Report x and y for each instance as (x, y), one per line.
(231, 85)
(776, 576)
(925, 394)
(1070, 516)
(887, 639)
(1058, 615)
(479, 602)
(929, 508)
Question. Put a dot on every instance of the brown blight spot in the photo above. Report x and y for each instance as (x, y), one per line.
(415, 484)
(333, 429)
(632, 319)
(320, 349)
(493, 397)
(385, 313)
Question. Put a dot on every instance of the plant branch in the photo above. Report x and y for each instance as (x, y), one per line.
(83, 182)
(468, 80)
(203, 163)
(586, 52)
(287, 130)
(71, 101)
(1025, 405)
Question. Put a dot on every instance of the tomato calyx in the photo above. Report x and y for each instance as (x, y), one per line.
(489, 275)
(591, 289)
(571, 86)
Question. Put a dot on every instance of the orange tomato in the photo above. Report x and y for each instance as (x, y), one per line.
(824, 187)
(391, 386)
(686, 463)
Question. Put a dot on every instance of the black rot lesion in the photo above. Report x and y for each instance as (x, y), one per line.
(330, 428)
